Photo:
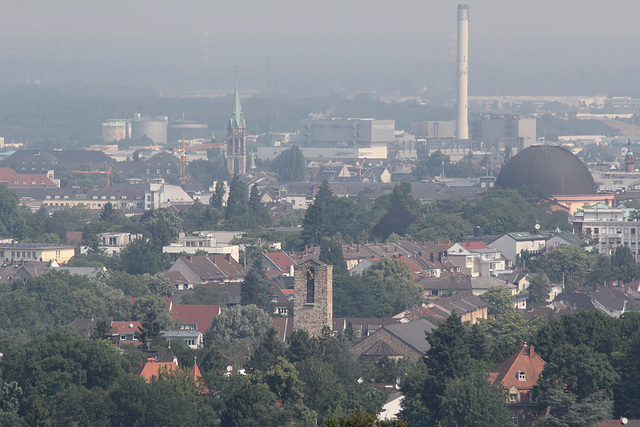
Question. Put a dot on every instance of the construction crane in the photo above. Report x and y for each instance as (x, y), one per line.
(184, 148)
(107, 172)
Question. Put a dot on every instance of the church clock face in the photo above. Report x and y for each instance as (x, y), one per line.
(236, 131)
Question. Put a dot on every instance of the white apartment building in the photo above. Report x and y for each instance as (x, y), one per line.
(611, 227)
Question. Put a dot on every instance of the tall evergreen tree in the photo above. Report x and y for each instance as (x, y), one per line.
(313, 225)
(257, 209)
(290, 165)
(218, 196)
(237, 201)
(255, 288)
(324, 193)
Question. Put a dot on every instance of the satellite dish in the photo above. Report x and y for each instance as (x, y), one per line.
(624, 421)
(537, 226)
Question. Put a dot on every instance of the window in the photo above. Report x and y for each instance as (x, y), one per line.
(513, 397)
(522, 376)
(311, 286)
(514, 418)
(190, 342)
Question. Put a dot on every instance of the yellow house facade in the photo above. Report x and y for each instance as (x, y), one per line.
(36, 252)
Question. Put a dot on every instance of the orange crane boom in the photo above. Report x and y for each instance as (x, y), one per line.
(184, 148)
(107, 172)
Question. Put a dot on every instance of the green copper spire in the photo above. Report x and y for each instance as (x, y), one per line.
(237, 118)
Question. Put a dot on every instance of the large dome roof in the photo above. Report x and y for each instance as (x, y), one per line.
(558, 170)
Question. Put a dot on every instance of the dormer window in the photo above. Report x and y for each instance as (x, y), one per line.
(522, 376)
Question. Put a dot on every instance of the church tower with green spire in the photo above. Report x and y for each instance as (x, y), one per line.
(236, 138)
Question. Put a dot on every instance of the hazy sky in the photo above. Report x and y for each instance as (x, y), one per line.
(249, 19)
(51, 40)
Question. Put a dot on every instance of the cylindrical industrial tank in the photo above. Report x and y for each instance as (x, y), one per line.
(115, 130)
(153, 128)
(190, 129)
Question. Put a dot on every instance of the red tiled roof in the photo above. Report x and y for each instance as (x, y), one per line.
(524, 360)
(152, 369)
(10, 176)
(474, 245)
(229, 266)
(200, 315)
(197, 376)
(119, 327)
(282, 325)
(281, 259)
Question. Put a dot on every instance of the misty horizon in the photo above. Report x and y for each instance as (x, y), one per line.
(369, 47)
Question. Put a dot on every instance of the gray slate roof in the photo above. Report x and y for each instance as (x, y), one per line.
(413, 333)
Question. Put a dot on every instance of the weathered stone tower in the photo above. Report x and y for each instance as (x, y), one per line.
(313, 296)
(236, 139)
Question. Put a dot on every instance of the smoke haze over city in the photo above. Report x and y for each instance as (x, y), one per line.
(403, 48)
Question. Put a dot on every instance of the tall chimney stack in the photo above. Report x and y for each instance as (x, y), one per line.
(463, 72)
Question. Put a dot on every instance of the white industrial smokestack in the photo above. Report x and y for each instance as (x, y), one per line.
(463, 72)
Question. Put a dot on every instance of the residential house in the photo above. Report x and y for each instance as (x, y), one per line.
(195, 317)
(200, 241)
(123, 332)
(469, 307)
(113, 242)
(517, 375)
(476, 259)
(610, 227)
(512, 244)
(564, 238)
(362, 326)
(152, 369)
(395, 341)
(209, 268)
(279, 262)
(191, 338)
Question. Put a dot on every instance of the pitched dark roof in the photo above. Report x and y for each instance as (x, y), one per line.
(380, 349)
(578, 301)
(413, 333)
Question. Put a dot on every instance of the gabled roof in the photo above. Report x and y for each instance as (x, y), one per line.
(283, 326)
(229, 266)
(202, 267)
(152, 369)
(525, 361)
(577, 301)
(570, 238)
(199, 315)
(175, 277)
(280, 259)
(119, 327)
(413, 333)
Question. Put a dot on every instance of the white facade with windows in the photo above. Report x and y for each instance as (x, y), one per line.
(609, 228)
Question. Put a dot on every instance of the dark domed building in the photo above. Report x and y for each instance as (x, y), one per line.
(556, 169)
